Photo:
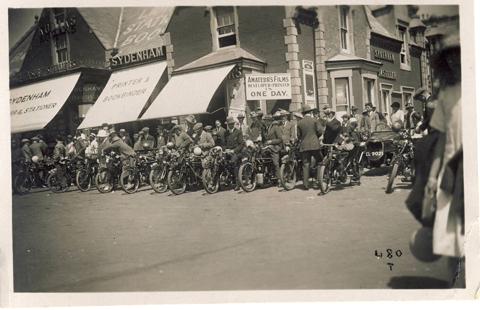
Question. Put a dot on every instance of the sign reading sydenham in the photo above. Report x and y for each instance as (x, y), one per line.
(269, 86)
(33, 106)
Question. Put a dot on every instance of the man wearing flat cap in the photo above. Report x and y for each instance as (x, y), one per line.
(242, 125)
(424, 96)
(309, 132)
(189, 123)
(181, 139)
(234, 143)
(201, 138)
(148, 139)
(274, 139)
(125, 136)
(26, 151)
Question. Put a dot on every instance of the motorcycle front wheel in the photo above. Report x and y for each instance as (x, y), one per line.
(247, 177)
(391, 178)
(129, 181)
(22, 183)
(83, 180)
(158, 179)
(288, 175)
(211, 184)
(104, 181)
(176, 182)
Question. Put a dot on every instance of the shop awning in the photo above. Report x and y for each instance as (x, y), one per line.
(125, 95)
(188, 93)
(33, 106)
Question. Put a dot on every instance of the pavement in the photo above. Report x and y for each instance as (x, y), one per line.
(266, 239)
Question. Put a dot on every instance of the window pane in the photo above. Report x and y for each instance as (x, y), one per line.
(343, 36)
(341, 93)
(61, 41)
(343, 17)
(226, 29)
(227, 40)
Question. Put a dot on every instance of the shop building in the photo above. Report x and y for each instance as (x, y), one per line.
(151, 65)
(369, 57)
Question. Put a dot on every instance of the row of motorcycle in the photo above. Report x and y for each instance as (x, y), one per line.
(177, 171)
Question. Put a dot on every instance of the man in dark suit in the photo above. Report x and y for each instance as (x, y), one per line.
(219, 133)
(333, 128)
(309, 131)
(274, 139)
(234, 145)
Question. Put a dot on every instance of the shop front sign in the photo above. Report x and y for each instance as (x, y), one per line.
(269, 86)
(308, 80)
(384, 55)
(389, 75)
(156, 53)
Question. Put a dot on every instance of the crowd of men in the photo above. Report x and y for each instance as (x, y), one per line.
(309, 129)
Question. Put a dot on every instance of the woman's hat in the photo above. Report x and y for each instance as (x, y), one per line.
(395, 104)
(25, 140)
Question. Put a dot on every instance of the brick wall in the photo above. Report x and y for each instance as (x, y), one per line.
(261, 33)
(190, 34)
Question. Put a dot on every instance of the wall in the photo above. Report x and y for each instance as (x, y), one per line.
(410, 78)
(190, 34)
(360, 33)
(266, 22)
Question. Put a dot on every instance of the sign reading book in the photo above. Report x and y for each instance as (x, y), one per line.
(269, 86)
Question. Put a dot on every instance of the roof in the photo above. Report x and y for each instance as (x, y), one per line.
(375, 25)
(19, 51)
(220, 56)
(103, 22)
(416, 23)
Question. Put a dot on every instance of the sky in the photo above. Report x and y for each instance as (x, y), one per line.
(20, 20)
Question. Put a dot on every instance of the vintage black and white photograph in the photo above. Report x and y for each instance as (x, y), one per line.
(237, 147)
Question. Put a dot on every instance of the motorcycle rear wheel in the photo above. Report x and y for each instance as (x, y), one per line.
(391, 178)
(176, 182)
(55, 184)
(129, 181)
(247, 177)
(288, 176)
(158, 180)
(210, 185)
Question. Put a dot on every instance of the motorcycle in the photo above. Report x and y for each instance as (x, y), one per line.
(110, 168)
(257, 167)
(291, 169)
(185, 170)
(218, 171)
(85, 176)
(28, 176)
(159, 170)
(379, 149)
(335, 168)
(136, 173)
(62, 176)
(402, 162)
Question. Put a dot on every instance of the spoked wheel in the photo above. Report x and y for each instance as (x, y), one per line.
(246, 177)
(22, 183)
(83, 180)
(176, 182)
(288, 175)
(211, 183)
(104, 181)
(325, 178)
(158, 179)
(391, 178)
(129, 181)
(57, 184)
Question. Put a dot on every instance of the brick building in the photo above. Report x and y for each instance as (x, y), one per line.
(194, 60)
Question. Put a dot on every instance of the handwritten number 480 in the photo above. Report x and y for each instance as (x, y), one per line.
(389, 253)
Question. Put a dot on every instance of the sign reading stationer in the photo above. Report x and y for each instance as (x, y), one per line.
(269, 86)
